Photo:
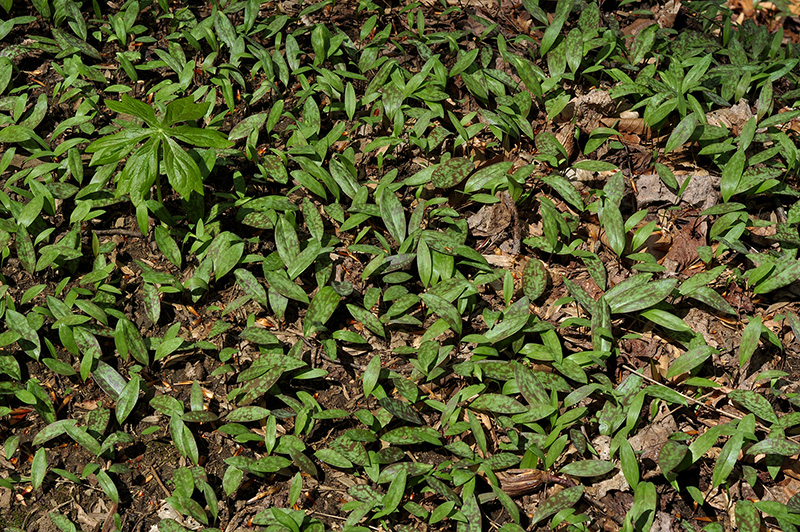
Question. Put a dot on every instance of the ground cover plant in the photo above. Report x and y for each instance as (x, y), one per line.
(422, 266)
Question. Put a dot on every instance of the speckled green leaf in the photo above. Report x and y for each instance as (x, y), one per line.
(199, 416)
(280, 282)
(755, 403)
(331, 457)
(231, 480)
(38, 468)
(394, 494)
(534, 279)
(393, 215)
(779, 279)
(452, 172)
(401, 409)
(320, 310)
(167, 245)
(367, 318)
(259, 386)
(371, 374)
(444, 309)
(727, 459)
(793, 504)
(28, 338)
(472, 512)
(588, 468)
(689, 360)
(251, 286)
(749, 341)
(671, 455)
(630, 296)
(127, 399)
(530, 387)
(502, 404)
(303, 462)
(560, 501)
(748, 518)
(778, 446)
(412, 435)
(25, 251)
(152, 302)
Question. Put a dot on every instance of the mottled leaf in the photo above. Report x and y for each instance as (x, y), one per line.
(367, 318)
(748, 518)
(560, 501)
(451, 173)
(778, 446)
(444, 309)
(502, 404)
(588, 468)
(755, 403)
(534, 279)
(401, 409)
(412, 435)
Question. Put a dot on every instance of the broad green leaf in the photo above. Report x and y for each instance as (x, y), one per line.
(320, 310)
(444, 309)
(749, 341)
(367, 318)
(251, 286)
(501, 404)
(393, 215)
(588, 468)
(732, 175)
(182, 172)
(748, 518)
(727, 459)
(562, 500)
(411, 436)
(755, 403)
(777, 446)
(452, 172)
(127, 399)
(534, 279)
(371, 374)
(167, 246)
(38, 468)
(690, 360)
(401, 409)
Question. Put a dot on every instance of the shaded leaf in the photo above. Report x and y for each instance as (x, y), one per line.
(588, 468)
(560, 501)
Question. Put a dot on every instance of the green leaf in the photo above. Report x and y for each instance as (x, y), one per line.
(781, 278)
(748, 518)
(690, 360)
(251, 286)
(280, 282)
(127, 399)
(501, 404)
(452, 172)
(371, 374)
(25, 251)
(444, 309)
(682, 132)
(401, 409)
(632, 294)
(182, 172)
(320, 310)
(367, 318)
(749, 341)
(152, 302)
(108, 486)
(588, 468)
(755, 403)
(167, 246)
(562, 500)
(671, 455)
(732, 174)
(777, 446)
(393, 496)
(411, 436)
(534, 279)
(28, 337)
(727, 459)
(38, 468)
(393, 215)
